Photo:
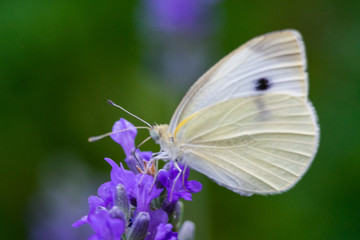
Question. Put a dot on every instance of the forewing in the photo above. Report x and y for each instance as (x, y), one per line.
(271, 63)
(261, 144)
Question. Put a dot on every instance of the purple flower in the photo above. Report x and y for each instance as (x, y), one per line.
(164, 232)
(179, 15)
(158, 216)
(182, 188)
(124, 134)
(175, 32)
(125, 177)
(145, 192)
(139, 229)
(125, 138)
(132, 203)
(106, 224)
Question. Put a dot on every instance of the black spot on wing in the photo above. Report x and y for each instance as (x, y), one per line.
(262, 84)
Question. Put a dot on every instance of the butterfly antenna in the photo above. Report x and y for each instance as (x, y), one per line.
(146, 139)
(93, 139)
(115, 105)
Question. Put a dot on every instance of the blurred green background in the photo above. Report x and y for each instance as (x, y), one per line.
(61, 60)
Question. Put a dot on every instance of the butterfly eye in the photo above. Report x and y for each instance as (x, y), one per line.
(262, 84)
(155, 135)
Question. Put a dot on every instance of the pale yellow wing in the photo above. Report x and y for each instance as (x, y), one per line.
(261, 144)
(271, 63)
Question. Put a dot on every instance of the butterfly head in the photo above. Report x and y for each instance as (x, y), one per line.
(161, 135)
(159, 132)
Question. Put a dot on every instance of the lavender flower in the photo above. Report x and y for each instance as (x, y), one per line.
(178, 38)
(178, 189)
(107, 224)
(179, 16)
(164, 232)
(136, 204)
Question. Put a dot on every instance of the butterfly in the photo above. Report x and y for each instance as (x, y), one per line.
(247, 122)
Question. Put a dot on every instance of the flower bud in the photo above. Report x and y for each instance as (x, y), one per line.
(139, 229)
(187, 231)
(121, 201)
(176, 216)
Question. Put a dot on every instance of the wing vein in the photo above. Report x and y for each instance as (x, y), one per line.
(264, 169)
(221, 167)
(240, 119)
(280, 157)
(244, 170)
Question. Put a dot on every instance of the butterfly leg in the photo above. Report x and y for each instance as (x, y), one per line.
(183, 178)
(176, 178)
(146, 167)
(140, 164)
(159, 155)
(156, 173)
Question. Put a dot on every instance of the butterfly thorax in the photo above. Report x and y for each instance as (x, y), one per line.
(161, 135)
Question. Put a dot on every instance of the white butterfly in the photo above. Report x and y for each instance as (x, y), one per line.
(247, 122)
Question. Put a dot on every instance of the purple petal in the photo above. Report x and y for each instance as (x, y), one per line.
(106, 192)
(193, 186)
(164, 232)
(120, 175)
(157, 217)
(133, 162)
(126, 138)
(164, 178)
(112, 163)
(144, 155)
(117, 227)
(95, 237)
(94, 203)
(182, 189)
(146, 191)
(105, 226)
(81, 221)
(176, 15)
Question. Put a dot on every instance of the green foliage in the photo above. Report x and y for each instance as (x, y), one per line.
(61, 60)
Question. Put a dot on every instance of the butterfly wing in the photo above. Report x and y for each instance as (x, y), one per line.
(271, 63)
(260, 144)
